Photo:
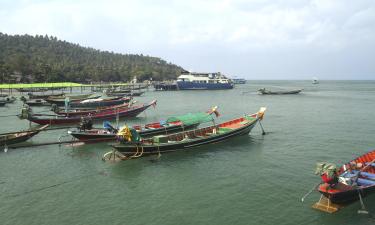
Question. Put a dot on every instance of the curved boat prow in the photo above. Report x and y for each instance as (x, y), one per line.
(261, 112)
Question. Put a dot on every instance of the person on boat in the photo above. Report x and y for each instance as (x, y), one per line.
(86, 123)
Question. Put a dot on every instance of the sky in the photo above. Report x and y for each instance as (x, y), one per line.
(252, 39)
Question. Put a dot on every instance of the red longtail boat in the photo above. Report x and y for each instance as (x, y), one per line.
(83, 112)
(351, 180)
(132, 111)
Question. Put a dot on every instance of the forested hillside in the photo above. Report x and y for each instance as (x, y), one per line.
(47, 59)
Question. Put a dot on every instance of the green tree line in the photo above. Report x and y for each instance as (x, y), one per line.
(47, 59)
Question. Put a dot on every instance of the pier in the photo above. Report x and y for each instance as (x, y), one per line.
(42, 87)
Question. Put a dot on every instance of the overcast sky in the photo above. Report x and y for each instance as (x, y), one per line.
(254, 39)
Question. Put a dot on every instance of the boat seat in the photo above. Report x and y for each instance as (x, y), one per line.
(372, 164)
(365, 182)
(370, 176)
(348, 174)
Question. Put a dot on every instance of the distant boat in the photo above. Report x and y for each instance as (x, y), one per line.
(315, 80)
(239, 81)
(263, 91)
(203, 81)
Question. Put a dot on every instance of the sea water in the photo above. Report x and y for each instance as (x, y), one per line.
(253, 179)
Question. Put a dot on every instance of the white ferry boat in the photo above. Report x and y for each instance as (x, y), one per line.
(203, 81)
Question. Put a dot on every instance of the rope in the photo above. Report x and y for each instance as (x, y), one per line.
(136, 155)
(10, 115)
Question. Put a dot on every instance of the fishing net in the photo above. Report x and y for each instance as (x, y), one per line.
(191, 118)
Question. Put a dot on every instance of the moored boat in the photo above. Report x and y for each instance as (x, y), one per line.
(137, 147)
(263, 91)
(87, 111)
(171, 125)
(60, 100)
(44, 96)
(37, 102)
(132, 111)
(350, 182)
(94, 103)
(18, 137)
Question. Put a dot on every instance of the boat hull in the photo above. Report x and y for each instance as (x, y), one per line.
(169, 147)
(129, 112)
(104, 103)
(18, 138)
(363, 176)
(183, 85)
(348, 196)
(265, 92)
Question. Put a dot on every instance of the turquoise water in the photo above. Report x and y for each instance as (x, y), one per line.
(252, 179)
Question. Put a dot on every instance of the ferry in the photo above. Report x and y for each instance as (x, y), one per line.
(203, 81)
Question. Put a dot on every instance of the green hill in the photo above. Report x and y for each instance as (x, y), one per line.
(47, 59)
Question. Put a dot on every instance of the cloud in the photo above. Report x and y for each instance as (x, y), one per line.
(202, 29)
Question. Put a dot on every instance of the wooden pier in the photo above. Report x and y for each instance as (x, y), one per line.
(59, 87)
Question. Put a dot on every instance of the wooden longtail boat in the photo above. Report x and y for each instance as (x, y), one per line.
(60, 100)
(263, 91)
(354, 178)
(132, 111)
(128, 94)
(44, 96)
(18, 137)
(37, 102)
(171, 125)
(187, 139)
(86, 111)
(94, 103)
